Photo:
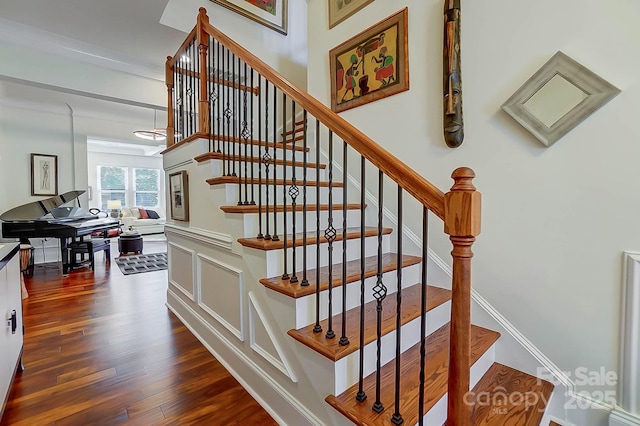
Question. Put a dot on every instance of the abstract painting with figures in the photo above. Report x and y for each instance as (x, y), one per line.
(179, 195)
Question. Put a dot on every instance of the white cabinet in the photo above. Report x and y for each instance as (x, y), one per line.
(10, 325)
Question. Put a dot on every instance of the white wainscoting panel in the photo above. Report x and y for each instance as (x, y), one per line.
(262, 339)
(181, 268)
(221, 293)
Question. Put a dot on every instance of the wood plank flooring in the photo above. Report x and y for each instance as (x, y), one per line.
(102, 349)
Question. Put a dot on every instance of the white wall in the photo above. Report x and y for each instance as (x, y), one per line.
(555, 220)
(286, 54)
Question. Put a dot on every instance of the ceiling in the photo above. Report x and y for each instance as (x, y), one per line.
(122, 31)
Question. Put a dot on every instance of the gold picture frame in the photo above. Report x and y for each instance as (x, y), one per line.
(44, 174)
(179, 195)
(270, 13)
(339, 10)
(371, 65)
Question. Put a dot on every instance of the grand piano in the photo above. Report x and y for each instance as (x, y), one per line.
(50, 218)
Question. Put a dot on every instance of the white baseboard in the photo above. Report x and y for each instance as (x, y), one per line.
(622, 418)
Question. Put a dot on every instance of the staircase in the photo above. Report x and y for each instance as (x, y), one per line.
(323, 210)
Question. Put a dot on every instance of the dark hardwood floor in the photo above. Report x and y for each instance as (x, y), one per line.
(102, 348)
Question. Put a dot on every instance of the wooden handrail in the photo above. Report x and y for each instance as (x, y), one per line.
(190, 38)
(421, 189)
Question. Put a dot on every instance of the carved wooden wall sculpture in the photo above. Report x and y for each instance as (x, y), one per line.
(452, 76)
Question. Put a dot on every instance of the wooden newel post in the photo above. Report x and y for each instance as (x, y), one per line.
(203, 73)
(462, 222)
(168, 78)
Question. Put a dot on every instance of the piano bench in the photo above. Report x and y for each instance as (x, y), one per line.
(89, 247)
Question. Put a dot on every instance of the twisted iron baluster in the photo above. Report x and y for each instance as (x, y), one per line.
(293, 193)
(219, 115)
(234, 137)
(379, 292)
(260, 159)
(253, 198)
(397, 419)
(317, 328)
(344, 340)
(330, 236)
(245, 135)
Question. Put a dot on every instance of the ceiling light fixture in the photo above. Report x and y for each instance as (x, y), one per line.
(152, 135)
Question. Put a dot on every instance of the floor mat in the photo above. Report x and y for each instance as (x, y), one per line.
(142, 263)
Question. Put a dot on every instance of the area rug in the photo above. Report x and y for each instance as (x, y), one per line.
(142, 263)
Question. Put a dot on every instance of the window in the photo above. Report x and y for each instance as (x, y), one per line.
(113, 185)
(146, 187)
(143, 191)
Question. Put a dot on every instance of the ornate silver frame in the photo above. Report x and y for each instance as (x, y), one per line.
(597, 92)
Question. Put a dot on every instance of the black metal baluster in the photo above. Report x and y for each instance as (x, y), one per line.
(361, 395)
(253, 198)
(379, 292)
(318, 328)
(227, 112)
(344, 340)
(293, 193)
(266, 159)
(210, 89)
(423, 313)
(275, 237)
(219, 115)
(234, 136)
(397, 419)
(245, 135)
(330, 235)
(285, 275)
(260, 160)
(305, 281)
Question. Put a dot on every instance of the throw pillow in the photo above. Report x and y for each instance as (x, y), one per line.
(143, 214)
(152, 214)
(135, 212)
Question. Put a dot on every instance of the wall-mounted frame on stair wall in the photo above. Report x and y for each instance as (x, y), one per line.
(270, 13)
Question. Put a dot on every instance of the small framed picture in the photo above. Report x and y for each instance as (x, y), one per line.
(339, 10)
(270, 13)
(179, 195)
(44, 174)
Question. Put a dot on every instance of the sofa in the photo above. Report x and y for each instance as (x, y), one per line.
(142, 220)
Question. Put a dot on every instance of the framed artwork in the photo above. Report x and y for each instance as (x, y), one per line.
(44, 174)
(371, 65)
(339, 10)
(558, 97)
(270, 13)
(179, 195)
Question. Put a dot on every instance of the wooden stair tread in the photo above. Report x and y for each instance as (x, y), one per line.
(279, 162)
(253, 208)
(352, 233)
(234, 179)
(330, 348)
(295, 290)
(436, 371)
(256, 142)
(498, 409)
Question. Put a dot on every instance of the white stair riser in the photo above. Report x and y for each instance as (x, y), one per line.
(437, 416)
(251, 221)
(346, 369)
(232, 194)
(218, 169)
(275, 260)
(306, 306)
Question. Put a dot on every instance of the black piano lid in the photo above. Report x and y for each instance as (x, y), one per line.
(37, 209)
